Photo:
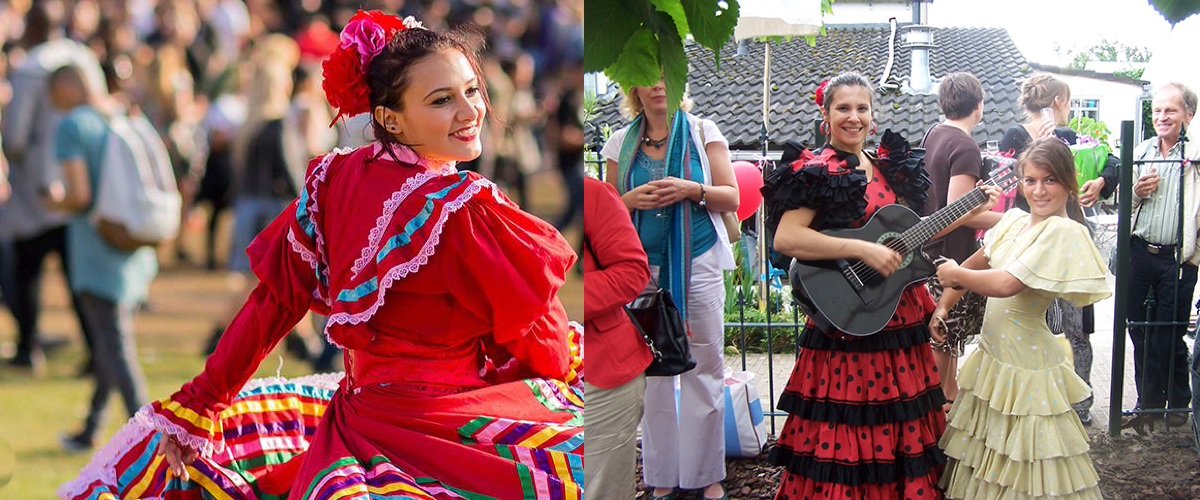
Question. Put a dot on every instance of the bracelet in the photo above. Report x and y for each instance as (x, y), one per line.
(703, 193)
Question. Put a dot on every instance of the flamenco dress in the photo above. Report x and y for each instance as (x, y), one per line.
(462, 373)
(865, 413)
(1012, 432)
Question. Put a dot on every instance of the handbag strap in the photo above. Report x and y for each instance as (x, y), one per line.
(587, 243)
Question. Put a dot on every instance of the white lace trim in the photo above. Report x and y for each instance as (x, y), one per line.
(102, 466)
(412, 265)
(389, 210)
(319, 237)
(308, 257)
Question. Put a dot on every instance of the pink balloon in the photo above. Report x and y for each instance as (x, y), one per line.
(749, 180)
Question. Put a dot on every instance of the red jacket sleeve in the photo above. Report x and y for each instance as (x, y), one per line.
(285, 260)
(616, 248)
(507, 268)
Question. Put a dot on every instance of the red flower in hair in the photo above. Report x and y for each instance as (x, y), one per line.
(820, 98)
(345, 83)
(345, 71)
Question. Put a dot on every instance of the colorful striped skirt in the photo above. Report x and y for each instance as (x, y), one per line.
(310, 439)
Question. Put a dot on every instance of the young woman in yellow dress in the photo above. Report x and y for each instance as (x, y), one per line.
(1011, 432)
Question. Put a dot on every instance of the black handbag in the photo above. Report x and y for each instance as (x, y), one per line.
(657, 319)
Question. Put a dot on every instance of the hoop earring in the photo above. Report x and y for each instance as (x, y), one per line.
(824, 128)
(874, 127)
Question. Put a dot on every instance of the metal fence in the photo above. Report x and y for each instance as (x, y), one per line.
(763, 280)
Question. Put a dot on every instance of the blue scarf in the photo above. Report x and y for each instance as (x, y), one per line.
(676, 272)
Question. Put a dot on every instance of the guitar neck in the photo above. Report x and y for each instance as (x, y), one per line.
(921, 232)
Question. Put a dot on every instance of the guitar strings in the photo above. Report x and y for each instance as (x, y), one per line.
(865, 272)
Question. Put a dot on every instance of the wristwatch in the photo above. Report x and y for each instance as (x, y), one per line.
(703, 201)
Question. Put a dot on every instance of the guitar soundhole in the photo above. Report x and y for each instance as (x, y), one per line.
(892, 240)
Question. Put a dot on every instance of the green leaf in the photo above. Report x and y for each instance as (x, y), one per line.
(1175, 10)
(637, 65)
(607, 25)
(674, 9)
(711, 25)
(675, 68)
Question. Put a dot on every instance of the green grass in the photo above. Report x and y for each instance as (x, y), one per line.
(34, 412)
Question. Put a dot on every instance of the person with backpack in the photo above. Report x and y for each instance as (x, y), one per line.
(34, 231)
(108, 281)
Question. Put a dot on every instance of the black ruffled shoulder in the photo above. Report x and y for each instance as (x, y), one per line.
(824, 180)
(904, 168)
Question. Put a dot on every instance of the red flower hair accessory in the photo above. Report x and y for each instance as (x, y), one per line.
(345, 71)
(820, 98)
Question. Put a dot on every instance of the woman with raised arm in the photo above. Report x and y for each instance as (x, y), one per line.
(459, 367)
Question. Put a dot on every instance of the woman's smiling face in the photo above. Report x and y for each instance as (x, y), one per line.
(849, 116)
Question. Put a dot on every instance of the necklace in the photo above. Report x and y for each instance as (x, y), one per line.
(653, 143)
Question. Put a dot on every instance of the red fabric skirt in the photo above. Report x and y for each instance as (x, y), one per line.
(865, 416)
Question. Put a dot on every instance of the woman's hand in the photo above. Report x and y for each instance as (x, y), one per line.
(1091, 192)
(1046, 129)
(671, 190)
(641, 198)
(993, 197)
(880, 258)
(947, 273)
(178, 455)
(937, 324)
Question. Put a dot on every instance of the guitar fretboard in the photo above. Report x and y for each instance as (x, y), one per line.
(917, 235)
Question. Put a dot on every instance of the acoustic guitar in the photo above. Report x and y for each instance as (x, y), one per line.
(853, 297)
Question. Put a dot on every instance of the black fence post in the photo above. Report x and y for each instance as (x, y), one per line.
(1124, 218)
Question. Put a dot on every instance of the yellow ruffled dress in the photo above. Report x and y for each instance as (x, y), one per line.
(1012, 433)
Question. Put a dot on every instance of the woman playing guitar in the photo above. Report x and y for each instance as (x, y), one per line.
(866, 412)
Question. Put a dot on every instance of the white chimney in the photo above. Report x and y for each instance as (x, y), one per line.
(920, 39)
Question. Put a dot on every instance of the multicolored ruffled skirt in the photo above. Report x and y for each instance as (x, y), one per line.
(310, 439)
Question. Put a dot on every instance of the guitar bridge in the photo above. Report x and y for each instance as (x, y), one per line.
(854, 280)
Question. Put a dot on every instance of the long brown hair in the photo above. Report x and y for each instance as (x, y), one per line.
(1052, 153)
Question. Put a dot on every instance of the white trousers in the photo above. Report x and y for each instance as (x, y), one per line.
(685, 447)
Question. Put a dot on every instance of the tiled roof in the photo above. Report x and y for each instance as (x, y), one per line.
(733, 96)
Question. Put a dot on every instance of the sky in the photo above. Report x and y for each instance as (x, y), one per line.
(1037, 25)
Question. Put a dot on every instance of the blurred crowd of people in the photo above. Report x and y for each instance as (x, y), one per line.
(234, 89)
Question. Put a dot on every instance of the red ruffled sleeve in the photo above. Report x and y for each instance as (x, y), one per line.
(286, 258)
(508, 268)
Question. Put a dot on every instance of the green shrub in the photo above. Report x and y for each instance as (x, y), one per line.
(783, 338)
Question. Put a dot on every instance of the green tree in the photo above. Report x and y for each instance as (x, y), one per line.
(636, 42)
(1108, 51)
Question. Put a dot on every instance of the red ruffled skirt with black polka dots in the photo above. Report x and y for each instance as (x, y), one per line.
(865, 413)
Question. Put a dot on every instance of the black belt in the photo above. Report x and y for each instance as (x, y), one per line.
(1154, 249)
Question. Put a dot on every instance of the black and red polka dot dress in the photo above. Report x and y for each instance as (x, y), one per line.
(865, 412)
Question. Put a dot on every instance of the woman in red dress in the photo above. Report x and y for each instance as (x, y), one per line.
(865, 412)
(460, 380)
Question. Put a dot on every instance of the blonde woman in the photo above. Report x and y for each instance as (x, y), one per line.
(675, 178)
